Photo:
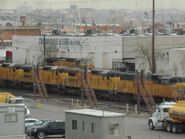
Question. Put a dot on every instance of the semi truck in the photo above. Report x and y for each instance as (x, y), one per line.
(7, 97)
(169, 116)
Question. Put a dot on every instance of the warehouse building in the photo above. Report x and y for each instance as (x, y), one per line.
(167, 62)
(94, 124)
(99, 49)
(103, 50)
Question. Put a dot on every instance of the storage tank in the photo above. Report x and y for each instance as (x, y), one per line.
(177, 111)
(4, 96)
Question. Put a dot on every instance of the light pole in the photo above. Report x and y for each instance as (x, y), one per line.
(44, 46)
(153, 38)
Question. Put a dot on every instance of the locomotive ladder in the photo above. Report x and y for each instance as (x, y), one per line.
(148, 98)
(92, 93)
(89, 92)
(40, 86)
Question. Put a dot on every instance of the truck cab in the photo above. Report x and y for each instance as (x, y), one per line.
(159, 115)
(16, 100)
(19, 101)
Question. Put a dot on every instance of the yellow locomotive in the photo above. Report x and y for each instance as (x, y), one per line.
(106, 83)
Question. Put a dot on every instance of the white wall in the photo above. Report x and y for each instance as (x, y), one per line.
(12, 128)
(163, 44)
(79, 134)
(102, 49)
(177, 61)
(101, 128)
(106, 125)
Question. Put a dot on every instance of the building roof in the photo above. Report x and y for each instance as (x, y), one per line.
(178, 49)
(95, 113)
(10, 105)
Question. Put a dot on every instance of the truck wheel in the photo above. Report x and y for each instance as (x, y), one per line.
(169, 128)
(150, 125)
(41, 135)
(174, 128)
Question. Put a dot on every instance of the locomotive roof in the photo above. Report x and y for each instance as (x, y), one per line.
(51, 59)
(68, 69)
(69, 59)
(26, 67)
(127, 73)
(46, 67)
(172, 77)
(50, 67)
(5, 64)
(11, 65)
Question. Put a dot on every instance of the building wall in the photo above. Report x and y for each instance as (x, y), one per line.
(177, 61)
(133, 47)
(102, 127)
(6, 33)
(79, 134)
(101, 49)
(106, 127)
(15, 128)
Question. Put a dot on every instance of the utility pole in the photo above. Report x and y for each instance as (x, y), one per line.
(44, 45)
(138, 78)
(34, 82)
(153, 38)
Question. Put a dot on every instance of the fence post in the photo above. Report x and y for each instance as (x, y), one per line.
(77, 103)
(136, 112)
(127, 108)
(72, 103)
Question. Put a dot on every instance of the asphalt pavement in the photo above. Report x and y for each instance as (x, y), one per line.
(135, 127)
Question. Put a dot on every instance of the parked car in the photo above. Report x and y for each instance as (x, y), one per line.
(47, 128)
(30, 122)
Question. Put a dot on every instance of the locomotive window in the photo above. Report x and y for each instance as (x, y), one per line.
(165, 81)
(27, 70)
(173, 81)
(72, 74)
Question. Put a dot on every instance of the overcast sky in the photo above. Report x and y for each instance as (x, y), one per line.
(99, 4)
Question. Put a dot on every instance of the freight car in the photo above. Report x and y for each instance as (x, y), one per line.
(108, 84)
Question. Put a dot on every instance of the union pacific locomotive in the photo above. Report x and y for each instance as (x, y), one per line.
(106, 83)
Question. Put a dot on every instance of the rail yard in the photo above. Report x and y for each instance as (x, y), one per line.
(55, 107)
(92, 69)
(136, 125)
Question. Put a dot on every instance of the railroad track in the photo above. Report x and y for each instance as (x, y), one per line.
(73, 101)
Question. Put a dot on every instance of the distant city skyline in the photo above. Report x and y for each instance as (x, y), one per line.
(97, 4)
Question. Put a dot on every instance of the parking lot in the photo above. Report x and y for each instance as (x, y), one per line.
(136, 126)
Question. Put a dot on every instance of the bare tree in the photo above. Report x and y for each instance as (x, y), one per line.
(146, 53)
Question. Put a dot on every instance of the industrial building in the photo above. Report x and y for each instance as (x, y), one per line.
(94, 124)
(8, 31)
(103, 50)
(139, 48)
(100, 49)
(12, 121)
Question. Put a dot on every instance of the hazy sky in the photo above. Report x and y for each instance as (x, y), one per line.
(99, 4)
